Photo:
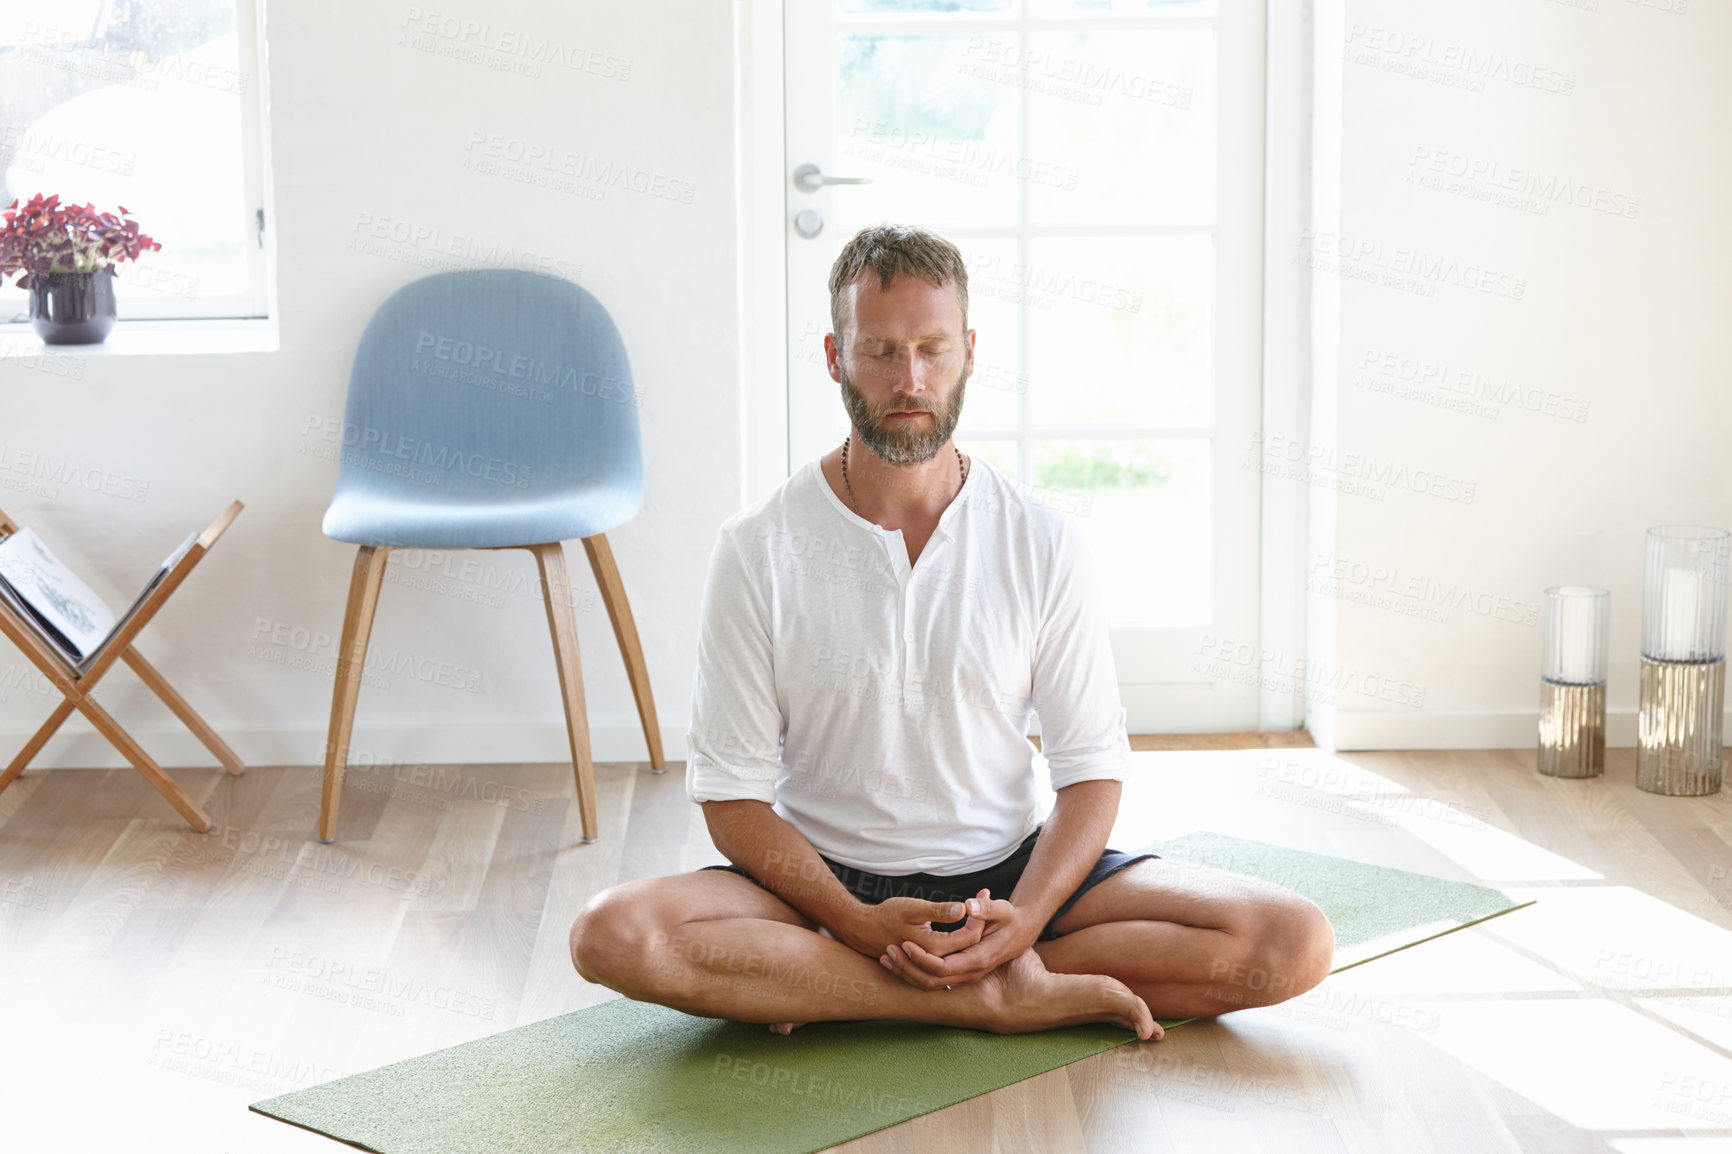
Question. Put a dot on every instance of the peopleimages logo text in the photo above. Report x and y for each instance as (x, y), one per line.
(1422, 267)
(371, 446)
(520, 367)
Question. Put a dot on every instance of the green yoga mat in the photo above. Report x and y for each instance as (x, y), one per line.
(627, 1076)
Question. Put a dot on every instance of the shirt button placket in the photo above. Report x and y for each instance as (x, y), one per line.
(910, 661)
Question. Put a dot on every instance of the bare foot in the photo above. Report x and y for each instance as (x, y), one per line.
(1023, 996)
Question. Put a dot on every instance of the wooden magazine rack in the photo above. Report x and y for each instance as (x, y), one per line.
(75, 687)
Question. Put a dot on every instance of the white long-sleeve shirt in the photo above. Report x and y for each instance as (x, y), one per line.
(883, 708)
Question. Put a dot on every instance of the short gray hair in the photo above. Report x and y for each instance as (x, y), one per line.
(893, 249)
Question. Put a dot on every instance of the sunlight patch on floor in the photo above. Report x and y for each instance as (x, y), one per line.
(1592, 1063)
(1620, 938)
(1466, 963)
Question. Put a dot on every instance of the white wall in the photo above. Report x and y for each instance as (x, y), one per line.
(369, 128)
(1623, 316)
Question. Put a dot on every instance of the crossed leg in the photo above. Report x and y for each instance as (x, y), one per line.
(715, 944)
(1158, 939)
(1192, 941)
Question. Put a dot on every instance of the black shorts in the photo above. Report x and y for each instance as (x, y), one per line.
(1001, 879)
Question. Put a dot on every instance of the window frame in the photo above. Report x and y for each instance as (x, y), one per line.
(258, 299)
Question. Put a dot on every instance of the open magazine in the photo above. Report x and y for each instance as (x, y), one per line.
(63, 610)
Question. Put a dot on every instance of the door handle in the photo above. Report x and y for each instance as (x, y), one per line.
(810, 178)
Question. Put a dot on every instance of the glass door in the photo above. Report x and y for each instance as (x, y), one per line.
(1099, 164)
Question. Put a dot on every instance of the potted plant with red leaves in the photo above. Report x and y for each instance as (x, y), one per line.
(65, 255)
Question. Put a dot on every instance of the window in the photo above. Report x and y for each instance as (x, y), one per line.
(153, 105)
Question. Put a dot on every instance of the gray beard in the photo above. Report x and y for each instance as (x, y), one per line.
(901, 447)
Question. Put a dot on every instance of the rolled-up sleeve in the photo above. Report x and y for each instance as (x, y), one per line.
(1075, 685)
(734, 742)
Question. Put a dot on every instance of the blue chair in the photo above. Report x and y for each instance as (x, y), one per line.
(489, 409)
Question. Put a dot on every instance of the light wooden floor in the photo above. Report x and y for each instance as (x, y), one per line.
(153, 981)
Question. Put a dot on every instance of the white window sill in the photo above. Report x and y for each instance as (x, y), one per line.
(149, 338)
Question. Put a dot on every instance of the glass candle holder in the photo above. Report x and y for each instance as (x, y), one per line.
(1683, 686)
(1574, 634)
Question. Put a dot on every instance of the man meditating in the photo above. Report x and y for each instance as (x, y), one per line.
(875, 635)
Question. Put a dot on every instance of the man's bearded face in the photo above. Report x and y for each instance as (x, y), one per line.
(903, 440)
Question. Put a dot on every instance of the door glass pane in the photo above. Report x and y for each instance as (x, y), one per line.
(1000, 454)
(1119, 7)
(996, 388)
(928, 136)
(886, 7)
(1122, 123)
(1121, 330)
(1145, 507)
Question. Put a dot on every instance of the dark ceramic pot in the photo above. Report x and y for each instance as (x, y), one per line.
(72, 308)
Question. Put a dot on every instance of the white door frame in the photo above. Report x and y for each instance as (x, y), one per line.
(761, 222)
(1286, 520)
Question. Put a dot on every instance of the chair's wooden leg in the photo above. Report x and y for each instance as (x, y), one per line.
(364, 585)
(630, 648)
(178, 706)
(562, 621)
(144, 763)
(36, 742)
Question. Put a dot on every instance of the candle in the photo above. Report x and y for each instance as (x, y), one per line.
(1574, 649)
(1680, 593)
